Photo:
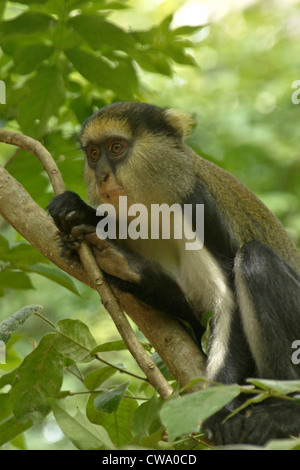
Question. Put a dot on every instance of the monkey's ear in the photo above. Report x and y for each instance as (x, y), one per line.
(181, 122)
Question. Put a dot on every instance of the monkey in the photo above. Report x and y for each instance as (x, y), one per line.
(247, 271)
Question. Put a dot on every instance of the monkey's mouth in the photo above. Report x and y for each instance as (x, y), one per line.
(110, 194)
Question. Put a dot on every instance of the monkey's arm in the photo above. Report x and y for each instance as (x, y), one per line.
(131, 272)
(126, 270)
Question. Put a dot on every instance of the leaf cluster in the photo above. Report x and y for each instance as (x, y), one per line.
(113, 417)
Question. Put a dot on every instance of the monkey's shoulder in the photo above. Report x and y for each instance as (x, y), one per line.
(234, 209)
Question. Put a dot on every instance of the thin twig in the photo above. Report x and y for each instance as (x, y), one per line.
(35, 147)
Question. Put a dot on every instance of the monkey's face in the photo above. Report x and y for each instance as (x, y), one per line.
(135, 150)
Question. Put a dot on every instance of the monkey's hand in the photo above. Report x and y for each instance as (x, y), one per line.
(110, 257)
(76, 222)
(69, 210)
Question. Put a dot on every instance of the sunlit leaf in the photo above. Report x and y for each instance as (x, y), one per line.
(46, 93)
(74, 340)
(84, 434)
(119, 77)
(101, 34)
(281, 386)
(185, 413)
(56, 275)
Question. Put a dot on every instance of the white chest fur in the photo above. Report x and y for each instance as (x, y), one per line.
(206, 288)
(203, 283)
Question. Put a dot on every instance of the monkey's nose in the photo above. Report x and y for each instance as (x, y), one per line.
(105, 178)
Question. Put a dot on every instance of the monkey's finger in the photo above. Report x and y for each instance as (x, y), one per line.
(80, 231)
(74, 218)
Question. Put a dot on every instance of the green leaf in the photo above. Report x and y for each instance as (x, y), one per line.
(26, 23)
(100, 34)
(153, 61)
(4, 246)
(46, 93)
(23, 254)
(115, 346)
(56, 275)
(28, 2)
(110, 346)
(281, 386)
(26, 58)
(117, 424)
(11, 428)
(8, 326)
(91, 67)
(8, 379)
(161, 365)
(186, 30)
(39, 377)
(108, 401)
(74, 340)
(178, 54)
(152, 441)
(11, 358)
(146, 419)
(94, 379)
(22, 168)
(5, 409)
(80, 431)
(97, 5)
(120, 78)
(15, 280)
(205, 322)
(283, 444)
(79, 105)
(184, 414)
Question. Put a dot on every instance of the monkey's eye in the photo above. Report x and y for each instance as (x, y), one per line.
(116, 148)
(94, 153)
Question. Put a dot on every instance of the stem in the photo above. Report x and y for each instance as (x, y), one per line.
(119, 369)
(37, 149)
(45, 319)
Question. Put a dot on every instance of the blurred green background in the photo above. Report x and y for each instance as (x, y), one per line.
(229, 63)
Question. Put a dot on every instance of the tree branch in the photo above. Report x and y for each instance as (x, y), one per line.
(167, 336)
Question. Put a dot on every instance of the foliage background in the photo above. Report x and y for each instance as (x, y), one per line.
(234, 74)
